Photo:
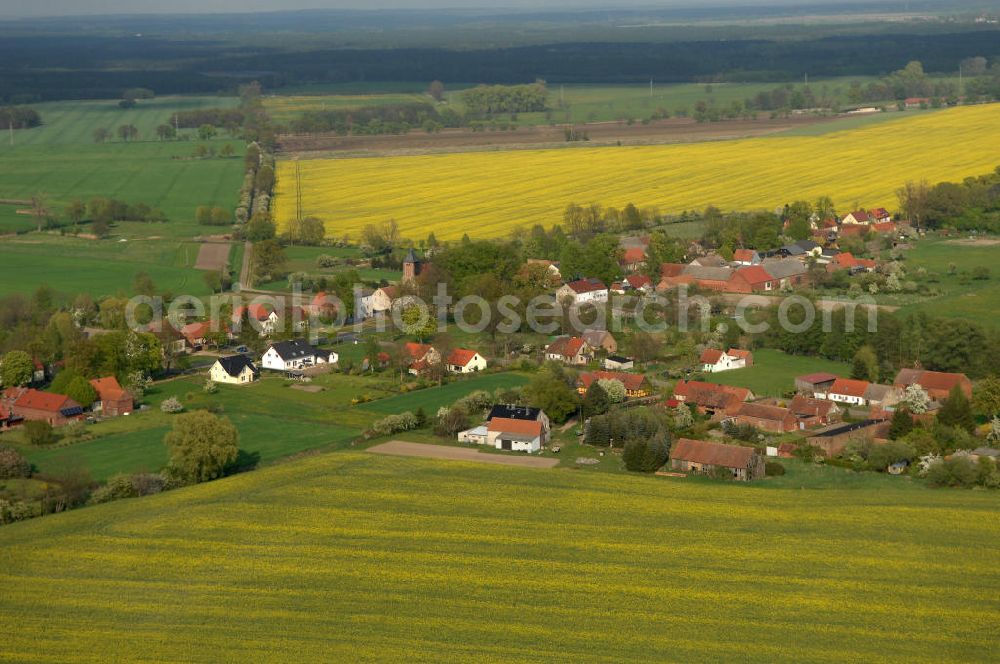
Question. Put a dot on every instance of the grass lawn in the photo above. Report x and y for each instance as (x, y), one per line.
(432, 398)
(73, 265)
(353, 556)
(12, 222)
(773, 372)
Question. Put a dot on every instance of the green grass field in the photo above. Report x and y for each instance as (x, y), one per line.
(357, 557)
(773, 372)
(72, 265)
(432, 398)
(61, 160)
(961, 297)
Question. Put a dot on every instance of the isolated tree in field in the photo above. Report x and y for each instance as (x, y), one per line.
(128, 132)
(201, 445)
(956, 411)
(227, 151)
(221, 216)
(101, 135)
(203, 215)
(206, 131)
(76, 211)
(436, 90)
(40, 211)
(143, 284)
(138, 93)
(17, 369)
(381, 238)
(312, 231)
(165, 132)
(865, 366)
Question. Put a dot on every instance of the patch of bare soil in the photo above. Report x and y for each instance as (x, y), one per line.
(312, 389)
(212, 256)
(674, 130)
(403, 448)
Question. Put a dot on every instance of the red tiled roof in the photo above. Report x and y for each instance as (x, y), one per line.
(712, 454)
(631, 381)
(634, 255)
(638, 280)
(565, 346)
(884, 227)
(763, 411)
(933, 381)
(859, 215)
(854, 229)
(461, 356)
(507, 425)
(586, 285)
(849, 387)
(108, 389)
(739, 353)
(47, 401)
(819, 377)
(671, 269)
(416, 351)
(754, 274)
(195, 331)
(710, 356)
(743, 255)
(804, 406)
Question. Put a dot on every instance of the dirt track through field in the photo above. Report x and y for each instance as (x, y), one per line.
(403, 448)
(212, 256)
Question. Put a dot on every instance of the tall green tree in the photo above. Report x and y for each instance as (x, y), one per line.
(17, 369)
(956, 411)
(201, 445)
(865, 365)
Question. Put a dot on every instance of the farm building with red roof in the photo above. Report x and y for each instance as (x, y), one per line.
(702, 456)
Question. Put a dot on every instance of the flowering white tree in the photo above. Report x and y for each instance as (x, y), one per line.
(682, 416)
(994, 435)
(916, 399)
(615, 389)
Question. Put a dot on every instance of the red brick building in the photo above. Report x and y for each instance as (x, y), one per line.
(35, 405)
(112, 399)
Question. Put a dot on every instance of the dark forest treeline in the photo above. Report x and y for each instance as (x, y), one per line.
(72, 66)
(394, 119)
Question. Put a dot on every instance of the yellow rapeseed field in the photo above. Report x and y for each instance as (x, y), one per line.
(355, 557)
(489, 194)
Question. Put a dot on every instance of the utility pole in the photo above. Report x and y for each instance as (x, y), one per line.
(650, 88)
(11, 121)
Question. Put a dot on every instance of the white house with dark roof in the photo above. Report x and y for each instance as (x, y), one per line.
(295, 354)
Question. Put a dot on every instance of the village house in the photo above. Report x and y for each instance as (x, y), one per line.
(846, 390)
(420, 357)
(710, 399)
(382, 299)
(714, 360)
(551, 266)
(324, 306)
(618, 363)
(463, 361)
(636, 385)
(846, 261)
(746, 257)
(600, 340)
(638, 282)
(937, 384)
(766, 417)
(633, 258)
(787, 272)
(515, 412)
(882, 397)
(582, 291)
(856, 217)
(8, 419)
(196, 334)
(264, 319)
(701, 456)
(234, 370)
(814, 412)
(569, 350)
(295, 354)
(515, 435)
(112, 399)
(751, 279)
(35, 405)
(816, 384)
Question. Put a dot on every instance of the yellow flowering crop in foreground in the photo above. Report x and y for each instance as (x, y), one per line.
(489, 194)
(357, 557)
